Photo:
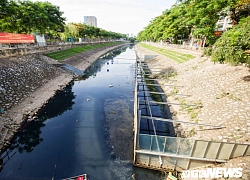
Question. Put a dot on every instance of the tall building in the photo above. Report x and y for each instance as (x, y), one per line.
(224, 23)
(90, 20)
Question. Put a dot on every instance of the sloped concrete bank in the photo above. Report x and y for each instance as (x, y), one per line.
(28, 82)
(222, 90)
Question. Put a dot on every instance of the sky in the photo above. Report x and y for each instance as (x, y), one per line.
(121, 16)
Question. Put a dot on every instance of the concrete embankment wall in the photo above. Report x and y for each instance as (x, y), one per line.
(24, 50)
(20, 76)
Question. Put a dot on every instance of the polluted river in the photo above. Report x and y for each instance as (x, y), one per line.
(85, 128)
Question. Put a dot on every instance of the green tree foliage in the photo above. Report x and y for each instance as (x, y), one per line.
(79, 30)
(8, 12)
(196, 16)
(70, 31)
(233, 45)
(28, 16)
(4, 8)
(202, 17)
(174, 23)
(238, 9)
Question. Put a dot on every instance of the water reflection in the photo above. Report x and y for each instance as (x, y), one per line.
(28, 138)
(103, 60)
(61, 102)
(29, 135)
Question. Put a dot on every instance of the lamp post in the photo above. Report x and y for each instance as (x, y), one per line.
(85, 38)
(180, 38)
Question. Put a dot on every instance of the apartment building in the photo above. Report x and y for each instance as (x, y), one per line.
(90, 20)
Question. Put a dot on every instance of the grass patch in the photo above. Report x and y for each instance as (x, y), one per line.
(228, 95)
(191, 133)
(193, 111)
(177, 56)
(165, 75)
(63, 54)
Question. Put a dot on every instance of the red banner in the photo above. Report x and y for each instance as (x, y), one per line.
(6, 38)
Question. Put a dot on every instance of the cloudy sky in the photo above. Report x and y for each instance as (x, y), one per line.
(123, 16)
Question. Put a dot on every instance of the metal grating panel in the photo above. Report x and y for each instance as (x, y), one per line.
(182, 163)
(247, 153)
(142, 159)
(185, 147)
(154, 161)
(171, 145)
(168, 162)
(161, 141)
(238, 150)
(197, 163)
(145, 142)
(200, 149)
(189, 149)
(212, 150)
(225, 151)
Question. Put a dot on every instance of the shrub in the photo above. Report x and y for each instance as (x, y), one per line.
(207, 51)
(232, 45)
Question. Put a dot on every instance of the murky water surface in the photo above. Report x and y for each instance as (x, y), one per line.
(86, 128)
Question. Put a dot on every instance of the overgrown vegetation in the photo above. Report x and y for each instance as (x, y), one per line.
(233, 45)
(198, 20)
(207, 51)
(228, 95)
(177, 56)
(193, 110)
(61, 55)
(191, 133)
(199, 17)
(165, 75)
(87, 32)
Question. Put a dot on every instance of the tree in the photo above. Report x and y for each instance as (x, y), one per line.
(196, 16)
(8, 13)
(233, 44)
(28, 16)
(168, 25)
(48, 17)
(4, 7)
(79, 30)
(238, 9)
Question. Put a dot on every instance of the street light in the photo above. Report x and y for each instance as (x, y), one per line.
(85, 38)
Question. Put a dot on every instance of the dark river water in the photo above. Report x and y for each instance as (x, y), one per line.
(85, 128)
